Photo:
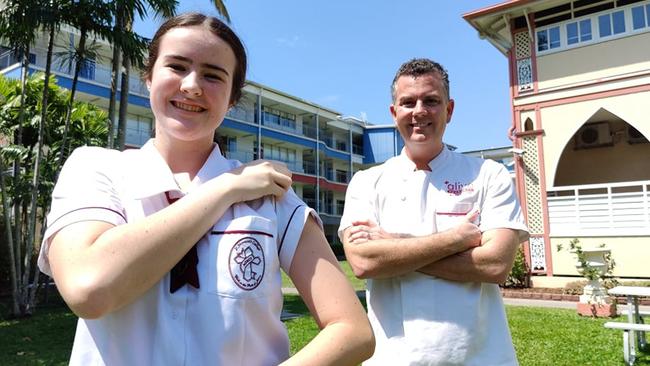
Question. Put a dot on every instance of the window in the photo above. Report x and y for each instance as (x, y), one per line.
(548, 39)
(640, 17)
(613, 23)
(87, 70)
(138, 129)
(578, 31)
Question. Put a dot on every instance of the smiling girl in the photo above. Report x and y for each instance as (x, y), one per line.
(171, 254)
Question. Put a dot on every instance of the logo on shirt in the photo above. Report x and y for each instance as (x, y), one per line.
(247, 263)
(456, 188)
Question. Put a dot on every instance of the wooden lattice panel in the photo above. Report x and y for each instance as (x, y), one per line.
(522, 45)
(533, 186)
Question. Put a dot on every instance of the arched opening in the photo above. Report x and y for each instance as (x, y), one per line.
(528, 125)
(605, 149)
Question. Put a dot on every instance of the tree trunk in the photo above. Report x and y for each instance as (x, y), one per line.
(115, 72)
(6, 212)
(124, 95)
(31, 226)
(80, 59)
(17, 213)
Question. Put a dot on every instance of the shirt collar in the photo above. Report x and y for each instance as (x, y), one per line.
(436, 163)
(150, 175)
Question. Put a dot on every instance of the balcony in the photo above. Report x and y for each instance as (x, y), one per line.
(93, 72)
(246, 156)
(309, 167)
(615, 209)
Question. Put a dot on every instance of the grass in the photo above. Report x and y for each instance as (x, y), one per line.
(357, 284)
(541, 336)
(43, 339)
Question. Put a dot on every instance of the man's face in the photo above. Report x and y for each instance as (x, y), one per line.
(421, 111)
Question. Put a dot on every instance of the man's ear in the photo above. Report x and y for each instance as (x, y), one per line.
(450, 109)
(393, 112)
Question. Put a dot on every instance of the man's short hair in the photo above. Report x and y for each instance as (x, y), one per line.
(418, 67)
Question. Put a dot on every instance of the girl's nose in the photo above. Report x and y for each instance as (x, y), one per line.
(190, 85)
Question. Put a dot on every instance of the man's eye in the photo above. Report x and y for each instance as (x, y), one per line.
(432, 102)
(408, 104)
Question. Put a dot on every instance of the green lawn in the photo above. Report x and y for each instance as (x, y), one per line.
(357, 284)
(541, 336)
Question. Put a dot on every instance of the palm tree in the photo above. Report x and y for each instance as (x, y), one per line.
(88, 16)
(20, 21)
(131, 52)
(87, 126)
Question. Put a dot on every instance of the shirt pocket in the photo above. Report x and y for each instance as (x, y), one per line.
(243, 257)
(450, 213)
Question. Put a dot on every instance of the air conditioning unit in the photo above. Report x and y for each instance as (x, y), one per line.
(593, 135)
(635, 137)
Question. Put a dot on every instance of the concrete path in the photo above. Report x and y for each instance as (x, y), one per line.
(516, 302)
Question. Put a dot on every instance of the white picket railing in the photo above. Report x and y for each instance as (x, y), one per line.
(614, 209)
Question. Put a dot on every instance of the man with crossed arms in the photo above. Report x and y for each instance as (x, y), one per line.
(434, 232)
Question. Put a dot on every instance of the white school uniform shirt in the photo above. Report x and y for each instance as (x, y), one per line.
(234, 318)
(424, 320)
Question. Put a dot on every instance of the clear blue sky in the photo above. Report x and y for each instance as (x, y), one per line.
(342, 54)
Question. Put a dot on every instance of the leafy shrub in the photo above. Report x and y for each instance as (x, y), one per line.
(519, 276)
(575, 287)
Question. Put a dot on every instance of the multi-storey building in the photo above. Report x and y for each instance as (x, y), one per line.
(322, 148)
(580, 95)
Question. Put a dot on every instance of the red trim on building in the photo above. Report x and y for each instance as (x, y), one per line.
(324, 183)
(529, 133)
(584, 97)
(308, 179)
(533, 53)
(495, 8)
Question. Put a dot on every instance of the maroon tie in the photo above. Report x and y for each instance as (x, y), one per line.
(185, 270)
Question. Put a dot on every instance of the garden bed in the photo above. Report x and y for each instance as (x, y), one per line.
(557, 294)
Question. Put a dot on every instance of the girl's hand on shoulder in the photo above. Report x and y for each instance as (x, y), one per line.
(260, 178)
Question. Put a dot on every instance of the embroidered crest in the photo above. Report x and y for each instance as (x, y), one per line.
(247, 263)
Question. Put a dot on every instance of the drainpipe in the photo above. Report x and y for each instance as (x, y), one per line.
(259, 124)
(317, 161)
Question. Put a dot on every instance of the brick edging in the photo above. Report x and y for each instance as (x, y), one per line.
(558, 297)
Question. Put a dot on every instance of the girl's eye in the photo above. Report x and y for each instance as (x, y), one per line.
(213, 77)
(176, 67)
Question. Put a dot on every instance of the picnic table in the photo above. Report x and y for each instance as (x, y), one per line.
(634, 329)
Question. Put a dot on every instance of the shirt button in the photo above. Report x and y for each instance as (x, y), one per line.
(174, 314)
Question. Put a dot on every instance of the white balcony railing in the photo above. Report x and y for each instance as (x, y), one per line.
(100, 74)
(615, 209)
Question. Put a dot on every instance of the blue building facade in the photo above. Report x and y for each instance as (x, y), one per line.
(322, 148)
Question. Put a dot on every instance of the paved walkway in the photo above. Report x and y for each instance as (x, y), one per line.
(516, 302)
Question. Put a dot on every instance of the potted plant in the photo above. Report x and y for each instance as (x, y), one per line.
(597, 266)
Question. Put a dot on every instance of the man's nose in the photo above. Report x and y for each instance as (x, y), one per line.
(419, 108)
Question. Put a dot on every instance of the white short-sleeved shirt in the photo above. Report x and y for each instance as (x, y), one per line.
(234, 318)
(425, 320)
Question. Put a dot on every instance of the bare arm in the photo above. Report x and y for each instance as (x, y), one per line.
(99, 267)
(345, 337)
(373, 253)
(489, 262)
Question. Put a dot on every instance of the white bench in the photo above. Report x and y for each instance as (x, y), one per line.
(629, 352)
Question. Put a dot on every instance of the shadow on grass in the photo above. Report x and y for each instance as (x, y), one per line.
(42, 339)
